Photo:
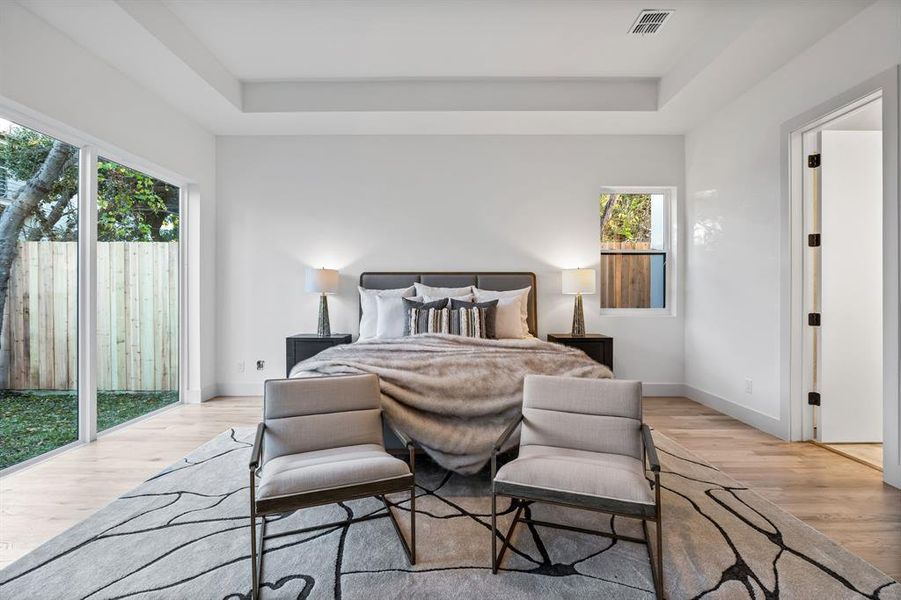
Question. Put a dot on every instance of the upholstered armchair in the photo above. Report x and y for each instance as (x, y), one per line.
(321, 442)
(582, 445)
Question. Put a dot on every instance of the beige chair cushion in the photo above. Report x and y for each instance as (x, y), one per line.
(304, 415)
(596, 415)
(568, 471)
(293, 474)
(319, 395)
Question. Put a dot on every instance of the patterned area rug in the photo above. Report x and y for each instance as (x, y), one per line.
(184, 534)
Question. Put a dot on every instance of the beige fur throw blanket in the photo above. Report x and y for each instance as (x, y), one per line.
(452, 395)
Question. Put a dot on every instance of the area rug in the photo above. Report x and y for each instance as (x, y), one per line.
(184, 534)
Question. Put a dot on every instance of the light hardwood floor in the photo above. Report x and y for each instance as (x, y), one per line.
(870, 454)
(845, 500)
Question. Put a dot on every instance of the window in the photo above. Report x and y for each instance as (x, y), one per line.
(52, 395)
(635, 234)
(137, 294)
(38, 294)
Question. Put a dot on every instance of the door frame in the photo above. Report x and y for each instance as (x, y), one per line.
(795, 410)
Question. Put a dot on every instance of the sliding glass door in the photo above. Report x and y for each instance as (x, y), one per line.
(137, 294)
(38, 292)
(47, 270)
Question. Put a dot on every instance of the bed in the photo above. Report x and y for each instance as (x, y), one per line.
(450, 394)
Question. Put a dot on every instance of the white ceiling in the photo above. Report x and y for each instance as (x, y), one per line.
(265, 40)
(443, 67)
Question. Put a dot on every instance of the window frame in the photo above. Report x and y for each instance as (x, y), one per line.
(89, 149)
(670, 238)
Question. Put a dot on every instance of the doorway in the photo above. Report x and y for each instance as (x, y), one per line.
(842, 345)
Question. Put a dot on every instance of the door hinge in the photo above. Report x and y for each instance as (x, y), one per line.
(813, 319)
(813, 161)
(813, 240)
(813, 398)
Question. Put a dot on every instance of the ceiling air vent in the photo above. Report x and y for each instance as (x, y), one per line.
(650, 22)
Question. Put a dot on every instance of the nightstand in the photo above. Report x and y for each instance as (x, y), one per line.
(597, 346)
(304, 345)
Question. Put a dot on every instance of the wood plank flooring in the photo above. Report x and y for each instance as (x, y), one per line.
(845, 500)
(870, 454)
(42, 501)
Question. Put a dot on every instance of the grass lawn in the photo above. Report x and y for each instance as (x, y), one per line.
(37, 421)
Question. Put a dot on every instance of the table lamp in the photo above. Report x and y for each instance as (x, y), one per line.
(578, 282)
(322, 282)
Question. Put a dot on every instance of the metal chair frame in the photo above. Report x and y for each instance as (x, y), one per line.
(522, 496)
(287, 504)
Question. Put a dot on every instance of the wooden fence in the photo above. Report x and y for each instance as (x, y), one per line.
(625, 278)
(137, 317)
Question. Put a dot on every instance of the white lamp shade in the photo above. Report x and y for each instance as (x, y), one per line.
(578, 281)
(322, 281)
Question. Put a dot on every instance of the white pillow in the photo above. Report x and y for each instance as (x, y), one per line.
(441, 292)
(369, 320)
(464, 298)
(508, 323)
(523, 294)
(391, 315)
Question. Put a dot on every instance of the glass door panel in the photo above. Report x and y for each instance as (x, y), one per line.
(38, 292)
(137, 294)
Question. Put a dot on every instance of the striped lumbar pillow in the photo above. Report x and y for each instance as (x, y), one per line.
(469, 322)
(429, 320)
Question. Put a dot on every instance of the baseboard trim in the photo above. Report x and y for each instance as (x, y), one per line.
(240, 389)
(744, 414)
(209, 391)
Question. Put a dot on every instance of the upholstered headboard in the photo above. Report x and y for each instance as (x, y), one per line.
(486, 281)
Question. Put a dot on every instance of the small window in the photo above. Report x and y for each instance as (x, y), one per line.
(634, 250)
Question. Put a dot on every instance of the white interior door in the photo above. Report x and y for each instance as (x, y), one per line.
(851, 286)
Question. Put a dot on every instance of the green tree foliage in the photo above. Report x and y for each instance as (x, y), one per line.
(131, 206)
(22, 152)
(627, 220)
(134, 207)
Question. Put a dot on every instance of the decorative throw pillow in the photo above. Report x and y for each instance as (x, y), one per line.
(464, 298)
(391, 316)
(429, 320)
(485, 295)
(469, 322)
(508, 323)
(441, 292)
(490, 320)
(369, 308)
(418, 303)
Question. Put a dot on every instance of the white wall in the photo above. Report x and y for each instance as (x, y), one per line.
(367, 203)
(52, 79)
(734, 217)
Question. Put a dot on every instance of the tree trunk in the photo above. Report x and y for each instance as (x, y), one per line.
(23, 205)
(46, 224)
(608, 212)
(155, 221)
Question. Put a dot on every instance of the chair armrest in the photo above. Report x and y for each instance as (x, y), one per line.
(257, 447)
(404, 439)
(506, 435)
(650, 449)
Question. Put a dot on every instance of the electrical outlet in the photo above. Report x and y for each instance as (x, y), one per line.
(749, 386)
(261, 364)
(240, 366)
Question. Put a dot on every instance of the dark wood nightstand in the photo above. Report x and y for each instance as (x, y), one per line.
(597, 346)
(304, 345)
